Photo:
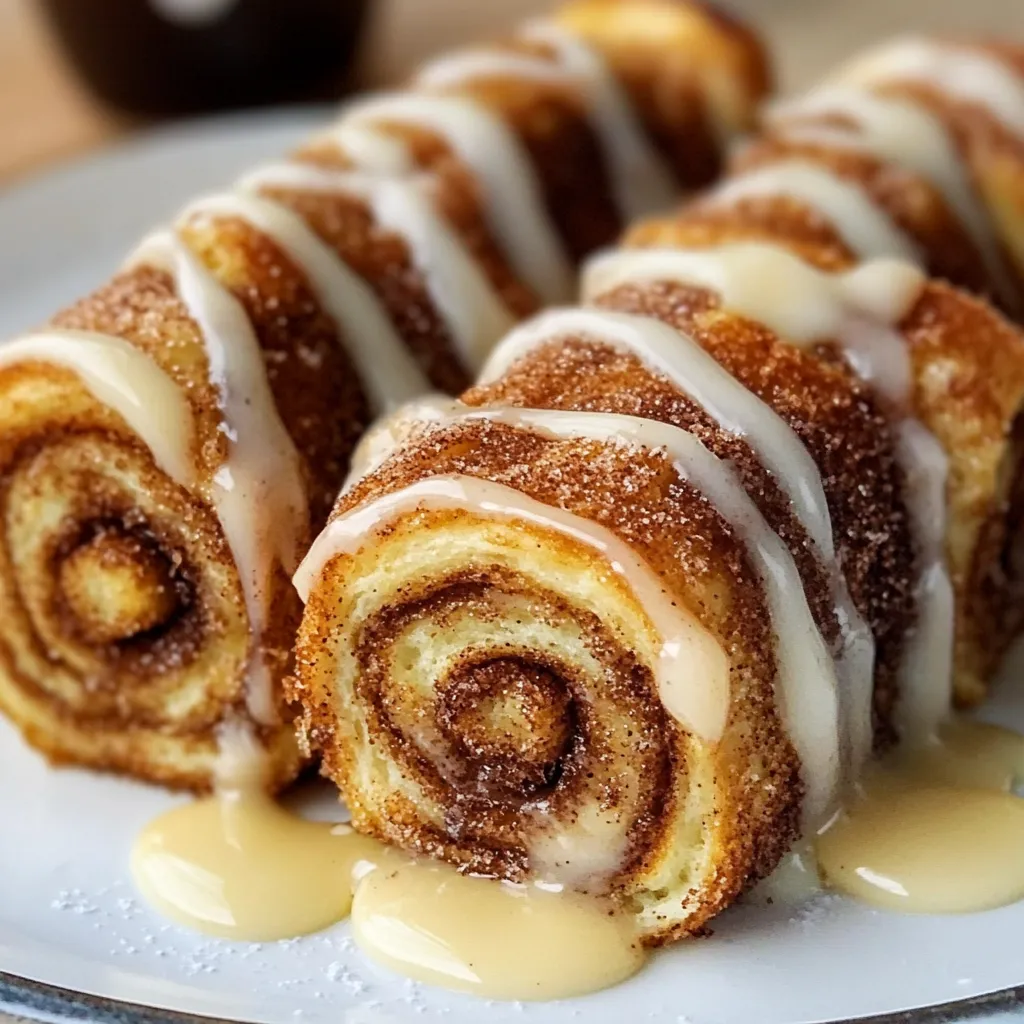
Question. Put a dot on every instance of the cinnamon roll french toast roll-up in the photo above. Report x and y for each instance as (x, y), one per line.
(171, 444)
(631, 614)
(913, 150)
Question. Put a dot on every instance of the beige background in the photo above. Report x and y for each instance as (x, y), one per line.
(45, 115)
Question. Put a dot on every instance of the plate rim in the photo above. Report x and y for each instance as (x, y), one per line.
(31, 1000)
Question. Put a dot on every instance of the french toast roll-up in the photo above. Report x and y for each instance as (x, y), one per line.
(612, 621)
(170, 444)
(914, 149)
(631, 614)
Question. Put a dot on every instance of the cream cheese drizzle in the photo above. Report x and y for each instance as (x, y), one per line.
(679, 358)
(857, 310)
(899, 130)
(513, 198)
(125, 379)
(867, 230)
(641, 178)
(686, 649)
(369, 149)
(474, 313)
(258, 491)
(386, 368)
(962, 73)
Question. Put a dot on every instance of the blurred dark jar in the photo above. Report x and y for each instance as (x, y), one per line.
(183, 56)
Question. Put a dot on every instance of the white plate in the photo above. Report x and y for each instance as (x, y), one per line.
(70, 918)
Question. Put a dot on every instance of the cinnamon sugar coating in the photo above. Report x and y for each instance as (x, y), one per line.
(851, 441)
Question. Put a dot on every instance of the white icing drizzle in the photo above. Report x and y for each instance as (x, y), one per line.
(857, 310)
(513, 199)
(258, 491)
(386, 368)
(756, 278)
(926, 682)
(472, 310)
(867, 230)
(807, 685)
(368, 149)
(678, 357)
(126, 380)
(737, 411)
(962, 73)
(641, 179)
(898, 130)
(687, 651)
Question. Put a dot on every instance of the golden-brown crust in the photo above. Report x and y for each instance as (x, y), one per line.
(969, 391)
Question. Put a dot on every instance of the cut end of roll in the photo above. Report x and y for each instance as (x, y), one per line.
(488, 680)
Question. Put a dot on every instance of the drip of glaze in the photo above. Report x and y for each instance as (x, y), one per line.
(491, 939)
(935, 828)
(125, 379)
(258, 491)
(370, 150)
(473, 311)
(866, 229)
(857, 310)
(513, 198)
(960, 72)
(899, 130)
(807, 675)
(641, 179)
(238, 865)
(386, 368)
(687, 650)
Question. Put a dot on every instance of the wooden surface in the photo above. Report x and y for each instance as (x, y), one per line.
(45, 114)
